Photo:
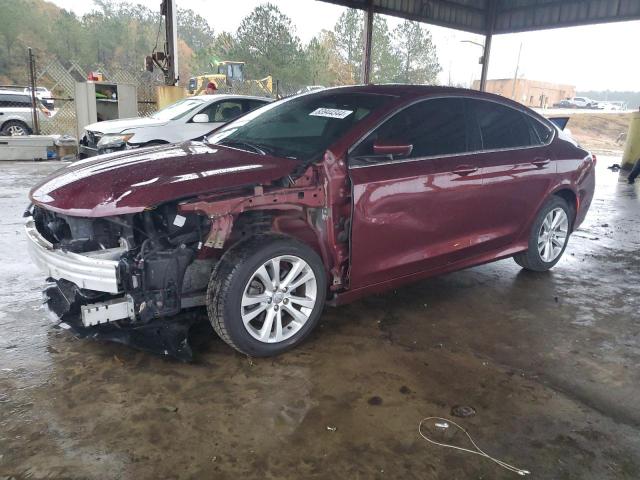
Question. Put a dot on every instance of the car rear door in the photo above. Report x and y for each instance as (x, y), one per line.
(414, 212)
(517, 171)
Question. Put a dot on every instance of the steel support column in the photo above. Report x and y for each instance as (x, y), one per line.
(490, 24)
(368, 38)
(32, 85)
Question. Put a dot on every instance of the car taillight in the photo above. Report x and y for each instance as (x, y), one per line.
(45, 111)
(595, 159)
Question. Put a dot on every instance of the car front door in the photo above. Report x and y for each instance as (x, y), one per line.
(218, 114)
(517, 171)
(414, 211)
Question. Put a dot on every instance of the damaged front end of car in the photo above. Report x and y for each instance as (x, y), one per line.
(132, 278)
(117, 277)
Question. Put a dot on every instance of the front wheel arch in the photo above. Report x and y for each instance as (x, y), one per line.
(234, 274)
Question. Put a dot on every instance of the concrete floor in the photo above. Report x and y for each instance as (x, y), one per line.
(549, 362)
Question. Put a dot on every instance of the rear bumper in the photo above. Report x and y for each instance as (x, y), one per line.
(93, 271)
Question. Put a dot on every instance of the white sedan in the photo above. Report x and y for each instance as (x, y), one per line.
(187, 119)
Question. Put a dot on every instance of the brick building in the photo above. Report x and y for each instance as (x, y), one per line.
(532, 93)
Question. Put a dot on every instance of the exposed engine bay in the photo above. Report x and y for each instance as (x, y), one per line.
(122, 277)
(157, 272)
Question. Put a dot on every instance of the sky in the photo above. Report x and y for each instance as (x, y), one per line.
(596, 57)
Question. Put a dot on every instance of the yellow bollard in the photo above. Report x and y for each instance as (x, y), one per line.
(632, 147)
(168, 94)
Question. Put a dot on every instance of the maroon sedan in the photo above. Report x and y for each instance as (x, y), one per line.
(320, 198)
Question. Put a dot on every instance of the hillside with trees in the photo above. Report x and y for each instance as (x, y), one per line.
(119, 35)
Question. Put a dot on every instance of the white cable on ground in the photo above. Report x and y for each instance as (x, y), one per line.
(444, 424)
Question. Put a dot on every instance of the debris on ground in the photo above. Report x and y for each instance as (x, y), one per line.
(463, 411)
(331, 429)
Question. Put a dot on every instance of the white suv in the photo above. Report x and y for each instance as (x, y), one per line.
(583, 102)
(15, 113)
(187, 119)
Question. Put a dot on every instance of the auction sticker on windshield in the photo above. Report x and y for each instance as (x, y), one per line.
(331, 113)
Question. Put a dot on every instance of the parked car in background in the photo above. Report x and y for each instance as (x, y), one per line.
(44, 95)
(583, 102)
(564, 104)
(187, 119)
(324, 197)
(617, 105)
(16, 117)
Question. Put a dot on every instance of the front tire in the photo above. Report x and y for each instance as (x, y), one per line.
(266, 295)
(549, 236)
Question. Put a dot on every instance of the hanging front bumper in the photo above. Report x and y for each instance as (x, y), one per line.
(91, 270)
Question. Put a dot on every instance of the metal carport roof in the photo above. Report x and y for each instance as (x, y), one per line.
(490, 17)
(510, 15)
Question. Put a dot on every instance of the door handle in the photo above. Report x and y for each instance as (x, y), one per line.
(465, 170)
(541, 162)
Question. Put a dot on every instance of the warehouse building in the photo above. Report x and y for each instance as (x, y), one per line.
(533, 93)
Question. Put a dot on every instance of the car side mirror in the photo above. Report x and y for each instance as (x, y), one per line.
(387, 147)
(200, 118)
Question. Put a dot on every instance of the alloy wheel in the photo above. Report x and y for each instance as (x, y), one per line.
(553, 234)
(278, 299)
(16, 131)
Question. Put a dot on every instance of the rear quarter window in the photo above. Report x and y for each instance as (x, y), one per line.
(502, 127)
(15, 101)
(543, 132)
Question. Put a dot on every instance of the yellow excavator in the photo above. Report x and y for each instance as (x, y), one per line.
(230, 74)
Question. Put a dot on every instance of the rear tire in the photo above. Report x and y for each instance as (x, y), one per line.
(549, 236)
(266, 295)
(15, 128)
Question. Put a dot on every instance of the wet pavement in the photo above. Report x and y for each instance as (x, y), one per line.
(548, 361)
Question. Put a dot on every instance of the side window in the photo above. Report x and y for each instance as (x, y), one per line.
(501, 126)
(224, 111)
(432, 127)
(543, 132)
(16, 101)
(252, 105)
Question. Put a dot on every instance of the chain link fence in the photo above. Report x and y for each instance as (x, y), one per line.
(62, 77)
(54, 112)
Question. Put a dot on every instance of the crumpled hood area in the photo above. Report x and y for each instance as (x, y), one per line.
(129, 182)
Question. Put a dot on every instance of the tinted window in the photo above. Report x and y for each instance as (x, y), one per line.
(299, 127)
(501, 126)
(16, 101)
(544, 133)
(224, 111)
(433, 127)
(253, 104)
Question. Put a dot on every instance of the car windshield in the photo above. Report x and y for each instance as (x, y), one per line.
(300, 127)
(178, 109)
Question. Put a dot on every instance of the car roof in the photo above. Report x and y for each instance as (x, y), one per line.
(13, 92)
(407, 92)
(225, 96)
